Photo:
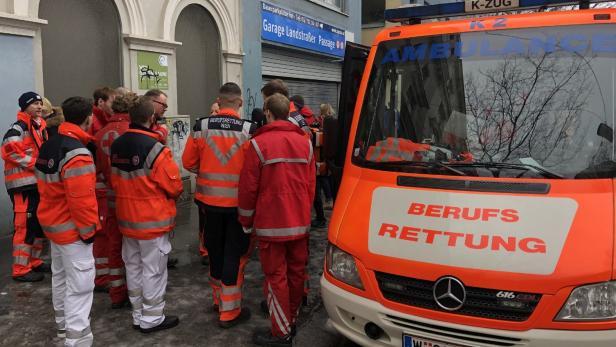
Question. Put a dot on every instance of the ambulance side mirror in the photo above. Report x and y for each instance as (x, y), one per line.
(606, 132)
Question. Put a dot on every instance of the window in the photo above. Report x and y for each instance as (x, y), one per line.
(373, 13)
(337, 5)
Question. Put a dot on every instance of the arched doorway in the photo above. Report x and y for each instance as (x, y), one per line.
(81, 47)
(198, 61)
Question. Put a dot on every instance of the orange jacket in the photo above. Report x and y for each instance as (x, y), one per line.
(117, 125)
(215, 152)
(20, 148)
(146, 181)
(66, 178)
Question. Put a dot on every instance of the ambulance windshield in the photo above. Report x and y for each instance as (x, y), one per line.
(520, 103)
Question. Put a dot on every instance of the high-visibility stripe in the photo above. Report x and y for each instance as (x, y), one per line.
(231, 290)
(245, 213)
(61, 329)
(24, 161)
(100, 185)
(86, 230)
(154, 301)
(117, 271)
(102, 272)
(278, 313)
(20, 130)
(152, 313)
(21, 260)
(286, 160)
(36, 253)
(20, 182)
(74, 334)
(219, 176)
(117, 283)
(49, 178)
(12, 139)
(227, 192)
(154, 152)
(72, 154)
(274, 313)
(101, 260)
(129, 174)
(196, 134)
(58, 228)
(293, 120)
(258, 150)
(224, 158)
(147, 225)
(272, 232)
(311, 151)
(135, 293)
(230, 305)
(14, 171)
(23, 248)
(79, 171)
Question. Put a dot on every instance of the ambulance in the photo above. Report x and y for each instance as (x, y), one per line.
(477, 201)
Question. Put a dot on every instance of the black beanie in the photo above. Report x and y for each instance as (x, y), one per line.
(26, 99)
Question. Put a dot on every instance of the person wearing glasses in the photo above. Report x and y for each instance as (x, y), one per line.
(159, 100)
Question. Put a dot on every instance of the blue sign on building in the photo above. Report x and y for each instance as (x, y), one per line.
(290, 28)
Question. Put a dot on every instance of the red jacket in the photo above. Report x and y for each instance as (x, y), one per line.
(117, 125)
(66, 177)
(277, 183)
(146, 181)
(100, 119)
(20, 148)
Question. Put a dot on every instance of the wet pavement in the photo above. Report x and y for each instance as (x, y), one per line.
(26, 312)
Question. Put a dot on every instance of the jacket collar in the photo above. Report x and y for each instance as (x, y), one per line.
(140, 129)
(228, 112)
(26, 118)
(74, 131)
(279, 125)
(120, 117)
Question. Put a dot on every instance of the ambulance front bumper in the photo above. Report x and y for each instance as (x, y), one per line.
(349, 314)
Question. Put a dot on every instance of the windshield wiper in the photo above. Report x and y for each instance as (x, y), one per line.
(422, 164)
(545, 173)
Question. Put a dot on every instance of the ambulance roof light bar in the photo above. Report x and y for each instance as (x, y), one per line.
(414, 14)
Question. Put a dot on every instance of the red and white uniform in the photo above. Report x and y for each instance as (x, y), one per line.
(276, 191)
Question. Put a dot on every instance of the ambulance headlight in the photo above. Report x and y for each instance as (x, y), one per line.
(592, 302)
(342, 266)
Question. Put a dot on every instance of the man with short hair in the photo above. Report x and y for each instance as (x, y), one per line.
(278, 86)
(20, 148)
(69, 217)
(276, 191)
(159, 100)
(146, 181)
(103, 99)
(215, 153)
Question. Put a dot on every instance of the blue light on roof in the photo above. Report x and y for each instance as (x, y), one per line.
(453, 9)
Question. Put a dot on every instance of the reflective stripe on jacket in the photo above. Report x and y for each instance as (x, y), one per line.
(277, 183)
(20, 148)
(215, 152)
(146, 181)
(66, 179)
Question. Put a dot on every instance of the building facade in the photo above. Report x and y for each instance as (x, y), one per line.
(299, 41)
(61, 48)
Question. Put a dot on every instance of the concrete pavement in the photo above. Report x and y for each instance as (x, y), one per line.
(27, 319)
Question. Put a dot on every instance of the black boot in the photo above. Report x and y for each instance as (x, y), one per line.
(43, 268)
(264, 308)
(168, 323)
(243, 317)
(30, 277)
(205, 260)
(172, 262)
(262, 337)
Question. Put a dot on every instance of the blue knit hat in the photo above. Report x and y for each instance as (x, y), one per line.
(26, 99)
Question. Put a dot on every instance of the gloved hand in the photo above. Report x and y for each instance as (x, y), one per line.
(87, 241)
(248, 230)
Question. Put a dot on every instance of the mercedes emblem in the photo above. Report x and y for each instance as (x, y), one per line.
(449, 293)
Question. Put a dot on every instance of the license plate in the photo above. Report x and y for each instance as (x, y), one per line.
(414, 341)
(489, 5)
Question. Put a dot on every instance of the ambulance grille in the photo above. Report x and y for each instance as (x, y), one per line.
(480, 302)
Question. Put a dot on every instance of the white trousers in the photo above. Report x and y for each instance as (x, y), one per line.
(146, 278)
(72, 281)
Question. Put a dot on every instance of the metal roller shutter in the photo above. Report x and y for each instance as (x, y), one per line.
(281, 63)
